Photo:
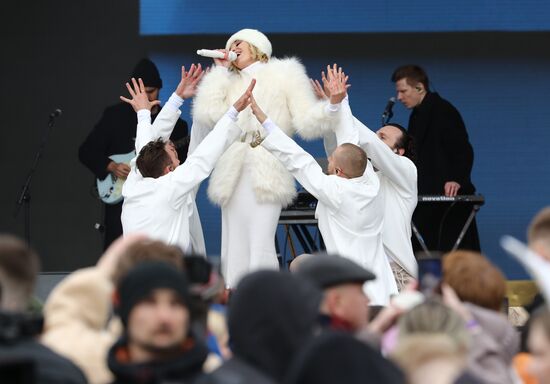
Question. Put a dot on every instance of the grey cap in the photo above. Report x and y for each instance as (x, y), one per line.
(330, 270)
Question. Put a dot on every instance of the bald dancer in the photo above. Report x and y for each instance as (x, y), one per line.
(350, 211)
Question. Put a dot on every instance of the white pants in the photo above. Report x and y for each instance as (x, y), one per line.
(248, 232)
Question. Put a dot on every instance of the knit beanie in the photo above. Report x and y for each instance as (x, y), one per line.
(148, 72)
(142, 280)
(254, 37)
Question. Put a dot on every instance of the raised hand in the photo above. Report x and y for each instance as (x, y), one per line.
(139, 98)
(257, 111)
(322, 92)
(189, 81)
(110, 259)
(244, 100)
(318, 89)
(337, 84)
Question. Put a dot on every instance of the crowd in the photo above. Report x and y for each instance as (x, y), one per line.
(149, 313)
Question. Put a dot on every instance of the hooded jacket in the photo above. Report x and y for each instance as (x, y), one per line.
(271, 316)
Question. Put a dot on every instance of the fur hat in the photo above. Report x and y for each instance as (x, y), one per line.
(254, 37)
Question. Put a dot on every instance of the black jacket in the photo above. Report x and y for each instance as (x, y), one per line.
(443, 150)
(237, 371)
(184, 369)
(115, 134)
(338, 357)
(22, 356)
(270, 316)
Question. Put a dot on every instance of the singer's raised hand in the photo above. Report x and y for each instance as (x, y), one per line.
(244, 100)
(139, 98)
(189, 81)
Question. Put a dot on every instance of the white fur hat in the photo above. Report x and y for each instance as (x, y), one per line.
(254, 37)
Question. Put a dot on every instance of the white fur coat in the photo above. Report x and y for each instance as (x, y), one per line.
(284, 93)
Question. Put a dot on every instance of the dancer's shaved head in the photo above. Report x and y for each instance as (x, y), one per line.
(349, 159)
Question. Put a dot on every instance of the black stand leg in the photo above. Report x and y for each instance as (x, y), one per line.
(25, 195)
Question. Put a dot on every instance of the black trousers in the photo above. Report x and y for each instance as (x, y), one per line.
(112, 223)
(441, 223)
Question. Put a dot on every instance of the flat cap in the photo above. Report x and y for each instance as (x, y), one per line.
(330, 270)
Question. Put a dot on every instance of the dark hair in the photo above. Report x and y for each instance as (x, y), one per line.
(153, 159)
(413, 75)
(405, 142)
(145, 251)
(19, 264)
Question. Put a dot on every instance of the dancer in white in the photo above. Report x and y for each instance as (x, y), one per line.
(389, 149)
(249, 183)
(350, 210)
(159, 194)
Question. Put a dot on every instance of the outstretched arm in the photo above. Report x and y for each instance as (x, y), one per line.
(297, 161)
(167, 118)
(336, 86)
(200, 163)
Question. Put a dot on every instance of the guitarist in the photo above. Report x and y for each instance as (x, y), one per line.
(114, 134)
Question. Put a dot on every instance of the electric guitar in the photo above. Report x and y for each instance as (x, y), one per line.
(110, 188)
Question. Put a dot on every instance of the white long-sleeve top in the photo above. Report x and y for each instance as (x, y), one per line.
(349, 211)
(398, 186)
(164, 208)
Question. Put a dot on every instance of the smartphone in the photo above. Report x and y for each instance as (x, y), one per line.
(429, 272)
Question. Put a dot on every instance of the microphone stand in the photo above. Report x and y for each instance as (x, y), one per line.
(386, 117)
(25, 195)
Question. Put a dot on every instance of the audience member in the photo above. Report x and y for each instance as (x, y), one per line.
(270, 316)
(474, 279)
(78, 322)
(157, 344)
(433, 344)
(538, 233)
(335, 357)
(539, 346)
(20, 330)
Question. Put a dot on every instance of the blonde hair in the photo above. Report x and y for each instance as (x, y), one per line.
(539, 228)
(433, 317)
(257, 55)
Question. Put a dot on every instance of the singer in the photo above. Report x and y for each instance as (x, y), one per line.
(249, 184)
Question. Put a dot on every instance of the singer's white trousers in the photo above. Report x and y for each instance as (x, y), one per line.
(248, 232)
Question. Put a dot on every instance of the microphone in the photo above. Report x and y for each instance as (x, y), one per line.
(58, 112)
(231, 56)
(388, 114)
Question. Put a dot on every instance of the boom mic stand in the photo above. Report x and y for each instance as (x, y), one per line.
(25, 195)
